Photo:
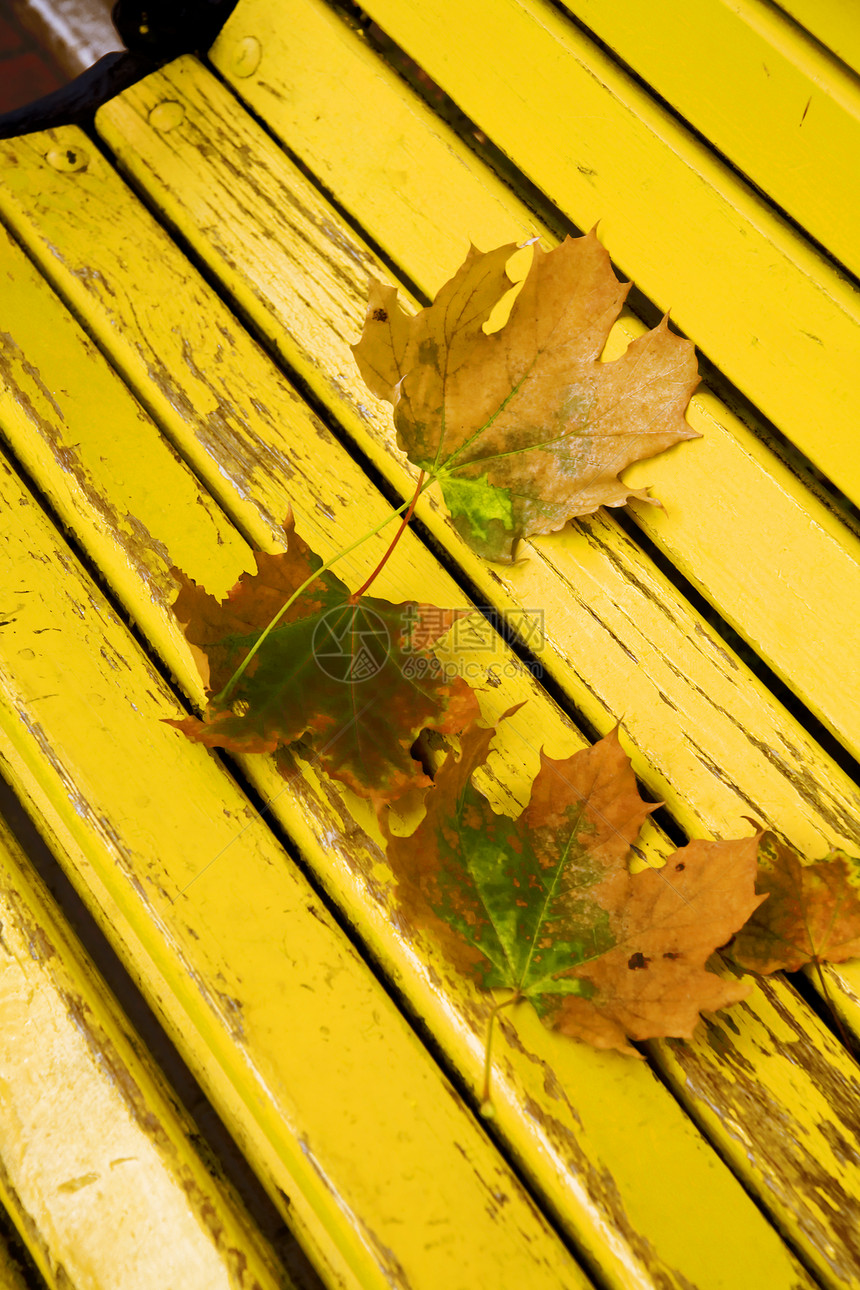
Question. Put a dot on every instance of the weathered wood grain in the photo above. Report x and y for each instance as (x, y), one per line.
(721, 763)
(737, 1079)
(768, 310)
(779, 566)
(96, 1163)
(568, 1113)
(290, 1035)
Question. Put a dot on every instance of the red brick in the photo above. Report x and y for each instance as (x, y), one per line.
(24, 79)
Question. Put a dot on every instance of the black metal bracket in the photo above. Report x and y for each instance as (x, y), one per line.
(153, 31)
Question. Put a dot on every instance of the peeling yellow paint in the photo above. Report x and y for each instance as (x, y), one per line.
(580, 1149)
(421, 194)
(778, 1090)
(331, 1095)
(570, 1115)
(696, 239)
(726, 749)
(77, 1097)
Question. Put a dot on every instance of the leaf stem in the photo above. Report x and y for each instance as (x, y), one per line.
(409, 507)
(487, 1110)
(419, 488)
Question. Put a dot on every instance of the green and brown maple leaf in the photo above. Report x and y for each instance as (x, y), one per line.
(524, 427)
(351, 676)
(545, 905)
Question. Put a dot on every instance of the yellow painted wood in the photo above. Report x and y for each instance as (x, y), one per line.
(96, 1162)
(315, 816)
(788, 578)
(843, 990)
(708, 721)
(317, 349)
(365, 1146)
(836, 23)
(54, 422)
(789, 581)
(761, 1168)
(571, 1141)
(736, 1080)
(781, 109)
(759, 301)
(790, 1110)
(406, 178)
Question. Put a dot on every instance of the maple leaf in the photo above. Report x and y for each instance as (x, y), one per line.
(523, 427)
(350, 675)
(545, 905)
(811, 913)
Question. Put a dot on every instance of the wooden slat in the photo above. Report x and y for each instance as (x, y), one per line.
(713, 764)
(772, 315)
(736, 1079)
(275, 285)
(289, 1032)
(200, 200)
(82, 381)
(834, 22)
(557, 1146)
(782, 1108)
(569, 1113)
(96, 1162)
(292, 1038)
(791, 567)
(792, 589)
(803, 561)
(778, 519)
(775, 104)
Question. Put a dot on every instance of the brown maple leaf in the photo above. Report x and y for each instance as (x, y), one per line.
(811, 913)
(351, 675)
(524, 428)
(545, 904)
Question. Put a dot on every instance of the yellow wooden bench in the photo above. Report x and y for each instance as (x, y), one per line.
(179, 293)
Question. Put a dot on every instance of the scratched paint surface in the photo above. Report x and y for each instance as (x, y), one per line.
(623, 161)
(570, 1112)
(308, 816)
(544, 1076)
(166, 164)
(803, 816)
(95, 1163)
(738, 1079)
(710, 690)
(289, 1033)
(420, 193)
(794, 128)
(836, 25)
